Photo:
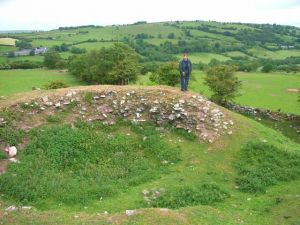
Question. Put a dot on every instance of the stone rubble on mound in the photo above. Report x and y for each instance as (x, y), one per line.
(193, 114)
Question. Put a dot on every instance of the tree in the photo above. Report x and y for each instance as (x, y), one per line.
(53, 60)
(267, 68)
(171, 35)
(222, 82)
(32, 52)
(115, 65)
(167, 74)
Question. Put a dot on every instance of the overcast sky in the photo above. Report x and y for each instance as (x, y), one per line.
(51, 14)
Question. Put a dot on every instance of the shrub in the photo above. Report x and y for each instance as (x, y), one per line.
(82, 164)
(167, 74)
(261, 165)
(113, 65)
(53, 60)
(204, 194)
(55, 85)
(223, 83)
(10, 135)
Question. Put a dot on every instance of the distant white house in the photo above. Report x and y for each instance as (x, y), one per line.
(286, 46)
(37, 51)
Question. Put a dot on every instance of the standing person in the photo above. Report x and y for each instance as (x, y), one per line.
(185, 69)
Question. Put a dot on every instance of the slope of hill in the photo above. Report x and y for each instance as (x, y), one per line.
(174, 37)
(248, 177)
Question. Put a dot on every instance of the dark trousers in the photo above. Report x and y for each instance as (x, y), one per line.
(184, 81)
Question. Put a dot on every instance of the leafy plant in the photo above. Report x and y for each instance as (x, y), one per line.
(201, 194)
(261, 165)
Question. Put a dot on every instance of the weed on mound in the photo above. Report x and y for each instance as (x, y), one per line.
(204, 194)
(75, 165)
(261, 165)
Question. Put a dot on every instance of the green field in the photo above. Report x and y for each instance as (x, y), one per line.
(200, 163)
(204, 57)
(7, 41)
(16, 81)
(268, 91)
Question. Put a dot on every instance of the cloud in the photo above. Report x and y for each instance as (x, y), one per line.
(37, 14)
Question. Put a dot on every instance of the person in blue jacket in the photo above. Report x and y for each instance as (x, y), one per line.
(185, 69)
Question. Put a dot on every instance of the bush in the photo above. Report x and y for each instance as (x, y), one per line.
(204, 194)
(223, 83)
(11, 135)
(55, 85)
(115, 65)
(261, 165)
(167, 74)
(75, 166)
(53, 60)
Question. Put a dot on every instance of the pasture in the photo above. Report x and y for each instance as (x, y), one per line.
(7, 41)
(263, 90)
(16, 81)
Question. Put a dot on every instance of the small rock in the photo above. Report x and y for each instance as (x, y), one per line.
(49, 103)
(102, 96)
(26, 207)
(45, 99)
(11, 208)
(96, 97)
(57, 105)
(14, 160)
(130, 212)
(12, 151)
(164, 209)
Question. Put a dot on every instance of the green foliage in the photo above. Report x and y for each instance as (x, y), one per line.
(267, 68)
(11, 135)
(22, 44)
(88, 97)
(26, 64)
(3, 155)
(55, 85)
(223, 83)
(78, 165)
(112, 65)
(53, 60)
(167, 74)
(261, 165)
(204, 194)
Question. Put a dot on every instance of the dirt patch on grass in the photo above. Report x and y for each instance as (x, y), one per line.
(293, 90)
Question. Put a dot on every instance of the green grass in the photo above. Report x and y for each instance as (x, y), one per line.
(16, 81)
(262, 90)
(200, 164)
(205, 57)
(85, 164)
(7, 41)
(280, 54)
(94, 45)
(261, 165)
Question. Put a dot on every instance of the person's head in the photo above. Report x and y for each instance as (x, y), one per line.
(185, 56)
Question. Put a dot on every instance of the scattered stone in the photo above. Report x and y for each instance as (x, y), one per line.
(58, 105)
(164, 210)
(11, 208)
(102, 96)
(131, 212)
(96, 97)
(11, 151)
(26, 207)
(45, 99)
(49, 103)
(14, 160)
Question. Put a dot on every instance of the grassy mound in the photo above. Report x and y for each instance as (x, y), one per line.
(261, 165)
(75, 165)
